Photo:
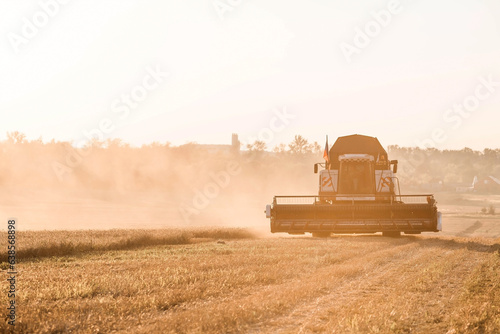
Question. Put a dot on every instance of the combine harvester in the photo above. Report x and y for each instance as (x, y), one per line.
(357, 194)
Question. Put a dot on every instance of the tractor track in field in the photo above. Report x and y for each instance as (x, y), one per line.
(301, 316)
(400, 273)
(370, 260)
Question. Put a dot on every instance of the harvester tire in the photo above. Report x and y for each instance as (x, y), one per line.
(321, 234)
(391, 234)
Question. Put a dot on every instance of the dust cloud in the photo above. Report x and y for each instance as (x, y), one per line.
(113, 185)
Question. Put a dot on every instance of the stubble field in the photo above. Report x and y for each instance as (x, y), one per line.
(227, 281)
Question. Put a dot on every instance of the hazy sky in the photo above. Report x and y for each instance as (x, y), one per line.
(408, 72)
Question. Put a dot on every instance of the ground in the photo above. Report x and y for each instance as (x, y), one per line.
(228, 280)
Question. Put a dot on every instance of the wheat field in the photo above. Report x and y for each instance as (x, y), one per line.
(228, 281)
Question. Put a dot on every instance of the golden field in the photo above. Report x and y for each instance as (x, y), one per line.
(227, 281)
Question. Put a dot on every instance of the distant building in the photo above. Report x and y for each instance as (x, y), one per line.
(483, 184)
(233, 148)
(487, 184)
(466, 188)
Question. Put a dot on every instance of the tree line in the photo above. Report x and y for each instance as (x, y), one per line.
(114, 163)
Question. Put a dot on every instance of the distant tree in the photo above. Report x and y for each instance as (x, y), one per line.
(38, 141)
(155, 144)
(467, 150)
(96, 143)
(300, 145)
(16, 137)
(490, 155)
(392, 148)
(280, 148)
(114, 143)
(317, 148)
(257, 146)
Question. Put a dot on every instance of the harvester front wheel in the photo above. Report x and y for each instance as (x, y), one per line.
(391, 234)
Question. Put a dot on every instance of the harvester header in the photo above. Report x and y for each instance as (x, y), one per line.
(358, 193)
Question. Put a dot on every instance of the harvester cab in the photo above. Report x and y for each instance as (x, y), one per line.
(358, 193)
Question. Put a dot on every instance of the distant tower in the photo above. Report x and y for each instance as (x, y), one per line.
(235, 143)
